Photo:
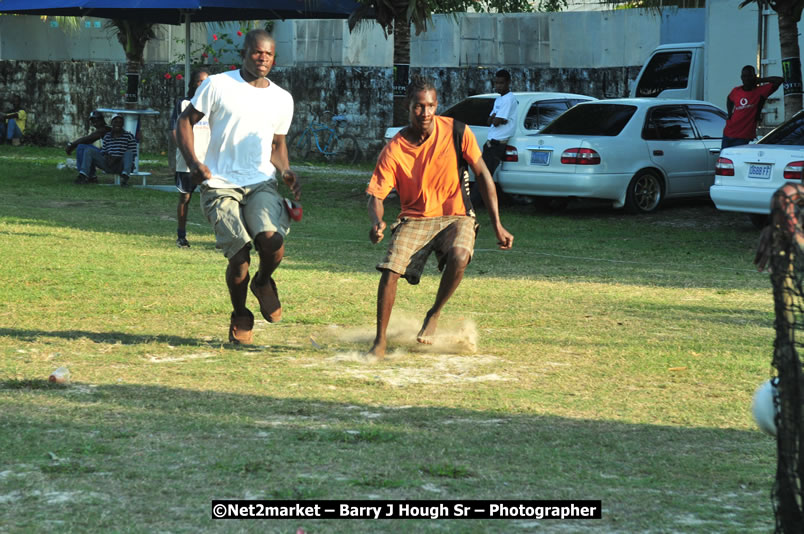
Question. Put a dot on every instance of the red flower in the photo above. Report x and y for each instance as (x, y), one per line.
(214, 36)
(204, 55)
(167, 76)
(216, 60)
(232, 67)
(239, 33)
(179, 77)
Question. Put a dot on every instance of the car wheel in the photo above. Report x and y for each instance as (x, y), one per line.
(759, 220)
(645, 192)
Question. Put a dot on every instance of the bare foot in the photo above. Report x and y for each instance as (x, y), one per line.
(425, 335)
(378, 349)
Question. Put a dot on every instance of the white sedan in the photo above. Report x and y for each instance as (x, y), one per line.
(535, 110)
(633, 151)
(747, 176)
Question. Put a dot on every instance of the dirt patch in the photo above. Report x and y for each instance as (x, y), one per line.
(452, 337)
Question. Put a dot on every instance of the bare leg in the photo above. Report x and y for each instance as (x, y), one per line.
(237, 281)
(450, 279)
(386, 295)
(181, 211)
(271, 248)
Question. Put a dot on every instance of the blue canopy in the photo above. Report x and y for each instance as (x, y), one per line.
(184, 11)
(177, 11)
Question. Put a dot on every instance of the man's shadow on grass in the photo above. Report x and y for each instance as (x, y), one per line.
(123, 338)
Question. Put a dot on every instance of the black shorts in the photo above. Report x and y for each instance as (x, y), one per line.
(184, 183)
(493, 154)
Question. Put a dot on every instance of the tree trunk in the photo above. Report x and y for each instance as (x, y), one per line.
(401, 66)
(132, 97)
(133, 36)
(788, 41)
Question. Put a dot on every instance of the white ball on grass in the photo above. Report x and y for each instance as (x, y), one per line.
(763, 407)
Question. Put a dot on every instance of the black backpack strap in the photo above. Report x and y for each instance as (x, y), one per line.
(463, 168)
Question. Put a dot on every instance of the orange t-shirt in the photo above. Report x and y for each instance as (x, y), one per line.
(425, 176)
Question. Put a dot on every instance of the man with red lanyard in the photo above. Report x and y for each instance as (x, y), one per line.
(744, 105)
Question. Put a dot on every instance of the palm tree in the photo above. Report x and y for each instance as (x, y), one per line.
(788, 14)
(396, 16)
(133, 35)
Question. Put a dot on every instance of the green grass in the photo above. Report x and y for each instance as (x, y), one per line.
(615, 359)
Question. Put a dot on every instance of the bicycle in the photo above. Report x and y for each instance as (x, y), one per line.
(320, 139)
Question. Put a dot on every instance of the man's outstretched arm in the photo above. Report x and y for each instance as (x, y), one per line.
(489, 192)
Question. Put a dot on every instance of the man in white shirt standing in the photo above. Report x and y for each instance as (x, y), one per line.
(501, 120)
(249, 117)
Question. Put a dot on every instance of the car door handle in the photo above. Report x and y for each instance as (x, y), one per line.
(658, 152)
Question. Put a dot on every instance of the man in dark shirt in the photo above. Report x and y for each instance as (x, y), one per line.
(82, 144)
(116, 156)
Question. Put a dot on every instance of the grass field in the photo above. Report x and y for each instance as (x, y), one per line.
(605, 357)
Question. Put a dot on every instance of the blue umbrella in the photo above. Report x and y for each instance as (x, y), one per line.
(177, 11)
(184, 11)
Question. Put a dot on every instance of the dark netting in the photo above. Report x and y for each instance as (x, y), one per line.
(787, 274)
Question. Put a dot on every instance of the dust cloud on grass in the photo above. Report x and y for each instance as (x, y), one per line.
(451, 358)
(450, 338)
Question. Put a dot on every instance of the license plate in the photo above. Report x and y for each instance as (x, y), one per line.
(539, 157)
(761, 172)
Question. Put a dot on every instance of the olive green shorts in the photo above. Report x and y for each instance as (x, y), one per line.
(237, 214)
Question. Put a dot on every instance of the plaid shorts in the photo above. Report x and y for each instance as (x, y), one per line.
(414, 239)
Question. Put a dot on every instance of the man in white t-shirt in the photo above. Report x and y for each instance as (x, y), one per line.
(501, 120)
(184, 182)
(249, 117)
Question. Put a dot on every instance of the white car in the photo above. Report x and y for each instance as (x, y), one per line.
(633, 151)
(747, 176)
(535, 110)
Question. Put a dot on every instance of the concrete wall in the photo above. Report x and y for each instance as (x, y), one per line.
(683, 26)
(590, 39)
(59, 95)
(603, 38)
(64, 75)
(30, 38)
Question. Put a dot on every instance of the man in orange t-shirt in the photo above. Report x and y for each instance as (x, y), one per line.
(421, 164)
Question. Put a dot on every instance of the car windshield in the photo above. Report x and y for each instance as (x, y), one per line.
(592, 119)
(789, 133)
(472, 111)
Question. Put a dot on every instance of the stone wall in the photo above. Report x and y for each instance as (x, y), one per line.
(60, 94)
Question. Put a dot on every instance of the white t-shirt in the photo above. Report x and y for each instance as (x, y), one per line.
(200, 140)
(243, 120)
(504, 108)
